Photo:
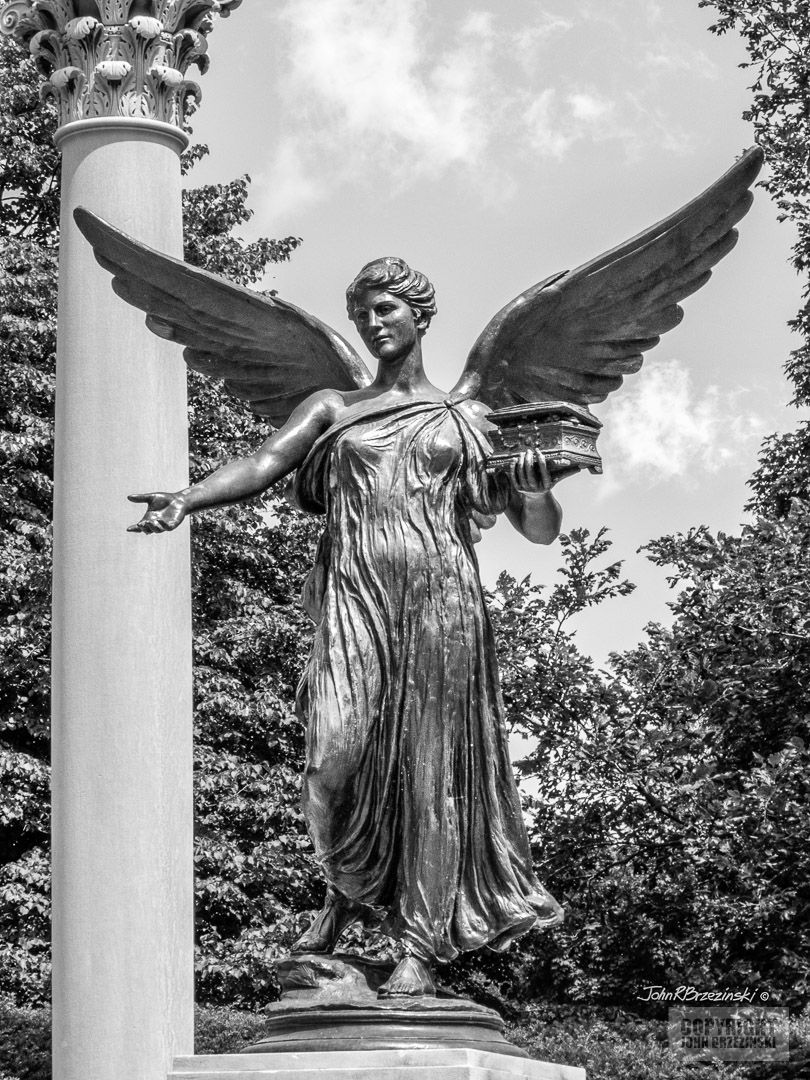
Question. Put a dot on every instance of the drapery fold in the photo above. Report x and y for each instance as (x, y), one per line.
(408, 791)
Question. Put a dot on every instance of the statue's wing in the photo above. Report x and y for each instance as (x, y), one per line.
(269, 352)
(574, 336)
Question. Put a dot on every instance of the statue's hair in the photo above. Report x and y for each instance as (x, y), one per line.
(395, 276)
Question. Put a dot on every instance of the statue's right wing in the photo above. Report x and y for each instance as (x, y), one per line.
(270, 353)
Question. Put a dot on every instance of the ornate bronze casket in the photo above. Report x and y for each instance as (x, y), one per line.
(565, 433)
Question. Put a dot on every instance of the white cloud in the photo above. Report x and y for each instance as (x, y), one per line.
(376, 93)
(555, 121)
(547, 131)
(289, 183)
(479, 23)
(657, 59)
(529, 42)
(657, 427)
(588, 108)
(363, 69)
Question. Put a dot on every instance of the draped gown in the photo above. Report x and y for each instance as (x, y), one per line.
(408, 791)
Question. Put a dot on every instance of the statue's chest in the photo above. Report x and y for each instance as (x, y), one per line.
(389, 451)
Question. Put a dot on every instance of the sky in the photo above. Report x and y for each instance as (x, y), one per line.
(491, 146)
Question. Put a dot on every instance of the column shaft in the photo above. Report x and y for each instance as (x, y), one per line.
(122, 755)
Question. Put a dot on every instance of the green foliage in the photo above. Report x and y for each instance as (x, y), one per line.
(549, 686)
(716, 734)
(783, 472)
(615, 1044)
(254, 867)
(29, 162)
(25, 1043)
(222, 1030)
(29, 195)
(25, 1037)
(210, 215)
(668, 805)
(610, 1045)
(777, 34)
(671, 814)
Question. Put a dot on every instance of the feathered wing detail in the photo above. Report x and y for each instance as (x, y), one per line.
(573, 336)
(270, 353)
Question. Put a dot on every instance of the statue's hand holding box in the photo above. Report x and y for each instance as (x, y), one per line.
(565, 434)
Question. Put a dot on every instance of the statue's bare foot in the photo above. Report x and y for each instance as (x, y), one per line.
(334, 917)
(410, 978)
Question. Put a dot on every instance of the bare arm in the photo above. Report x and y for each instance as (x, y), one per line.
(245, 477)
(532, 508)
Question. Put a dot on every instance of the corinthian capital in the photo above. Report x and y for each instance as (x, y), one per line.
(116, 57)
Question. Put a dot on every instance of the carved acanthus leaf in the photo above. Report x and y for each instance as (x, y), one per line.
(116, 57)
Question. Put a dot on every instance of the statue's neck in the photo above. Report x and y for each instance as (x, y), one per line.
(405, 374)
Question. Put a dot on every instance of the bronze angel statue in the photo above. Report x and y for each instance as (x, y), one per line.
(408, 791)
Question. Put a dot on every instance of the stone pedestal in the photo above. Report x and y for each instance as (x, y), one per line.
(330, 1025)
(413, 1064)
(330, 1003)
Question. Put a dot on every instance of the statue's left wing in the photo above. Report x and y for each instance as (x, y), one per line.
(270, 353)
(574, 336)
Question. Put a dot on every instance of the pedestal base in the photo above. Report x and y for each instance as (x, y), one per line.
(330, 1003)
(330, 1025)
(412, 1064)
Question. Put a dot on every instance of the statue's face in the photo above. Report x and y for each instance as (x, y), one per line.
(386, 324)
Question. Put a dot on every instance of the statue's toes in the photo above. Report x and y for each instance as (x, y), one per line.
(313, 940)
(410, 978)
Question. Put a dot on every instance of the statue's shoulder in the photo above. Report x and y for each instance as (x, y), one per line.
(328, 397)
(476, 412)
(326, 406)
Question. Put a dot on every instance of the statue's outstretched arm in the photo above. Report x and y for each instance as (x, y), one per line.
(245, 477)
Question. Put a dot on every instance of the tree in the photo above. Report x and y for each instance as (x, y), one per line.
(777, 33)
(29, 195)
(669, 806)
(700, 861)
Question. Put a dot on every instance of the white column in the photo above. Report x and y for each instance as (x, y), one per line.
(122, 754)
(123, 915)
